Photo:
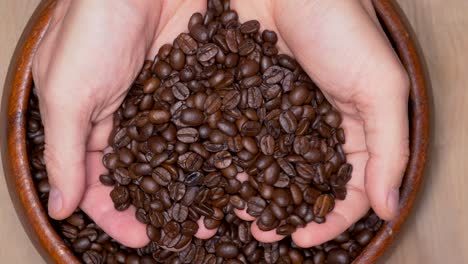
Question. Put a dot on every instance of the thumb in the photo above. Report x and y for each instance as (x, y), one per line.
(66, 128)
(386, 131)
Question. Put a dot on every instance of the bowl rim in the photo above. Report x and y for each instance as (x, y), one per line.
(34, 217)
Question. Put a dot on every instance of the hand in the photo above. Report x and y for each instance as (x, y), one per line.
(90, 55)
(341, 45)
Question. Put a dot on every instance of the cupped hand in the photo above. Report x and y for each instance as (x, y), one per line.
(86, 62)
(341, 45)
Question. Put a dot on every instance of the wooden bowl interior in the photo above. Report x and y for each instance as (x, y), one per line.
(34, 217)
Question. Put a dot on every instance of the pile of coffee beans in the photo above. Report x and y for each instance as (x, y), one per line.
(218, 101)
(93, 246)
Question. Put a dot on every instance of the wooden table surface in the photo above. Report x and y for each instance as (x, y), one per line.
(437, 229)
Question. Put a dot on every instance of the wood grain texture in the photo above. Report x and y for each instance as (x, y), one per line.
(429, 236)
(15, 246)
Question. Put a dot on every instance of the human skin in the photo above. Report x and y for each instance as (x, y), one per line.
(93, 50)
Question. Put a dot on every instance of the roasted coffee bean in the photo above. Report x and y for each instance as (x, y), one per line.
(149, 185)
(272, 173)
(162, 69)
(288, 122)
(282, 197)
(189, 228)
(227, 250)
(269, 36)
(207, 52)
(195, 19)
(237, 202)
(180, 91)
(227, 128)
(250, 27)
(179, 212)
(92, 257)
(255, 206)
(190, 161)
(81, 245)
(267, 145)
(285, 229)
(199, 32)
(244, 232)
(246, 47)
(273, 75)
(187, 44)
(222, 159)
(250, 128)
(187, 135)
(172, 229)
(323, 205)
(338, 256)
(192, 117)
(120, 195)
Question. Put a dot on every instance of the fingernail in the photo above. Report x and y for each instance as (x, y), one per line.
(392, 200)
(55, 200)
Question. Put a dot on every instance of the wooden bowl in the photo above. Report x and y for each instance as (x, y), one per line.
(34, 217)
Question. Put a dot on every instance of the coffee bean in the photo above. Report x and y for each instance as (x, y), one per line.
(187, 44)
(192, 117)
(199, 32)
(281, 197)
(285, 229)
(189, 228)
(250, 128)
(323, 205)
(187, 135)
(250, 27)
(338, 256)
(213, 103)
(237, 202)
(207, 52)
(273, 75)
(267, 145)
(162, 69)
(255, 206)
(227, 128)
(92, 257)
(222, 159)
(195, 19)
(179, 212)
(180, 91)
(272, 173)
(227, 250)
(172, 229)
(246, 47)
(177, 191)
(149, 185)
(288, 122)
(190, 161)
(162, 176)
(269, 36)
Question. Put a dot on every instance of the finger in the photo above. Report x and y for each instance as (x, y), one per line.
(66, 129)
(265, 236)
(242, 214)
(386, 129)
(345, 213)
(203, 232)
(122, 226)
